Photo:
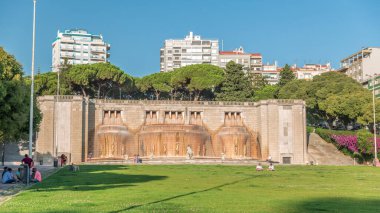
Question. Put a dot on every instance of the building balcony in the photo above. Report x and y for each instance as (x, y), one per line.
(69, 48)
(97, 50)
(67, 56)
(97, 58)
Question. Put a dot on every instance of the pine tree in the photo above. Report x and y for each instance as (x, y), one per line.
(236, 85)
(286, 75)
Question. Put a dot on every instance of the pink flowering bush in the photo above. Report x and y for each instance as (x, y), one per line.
(349, 142)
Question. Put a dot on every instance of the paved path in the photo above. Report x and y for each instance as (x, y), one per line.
(8, 190)
(325, 153)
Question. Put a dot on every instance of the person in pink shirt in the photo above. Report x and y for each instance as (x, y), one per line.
(36, 176)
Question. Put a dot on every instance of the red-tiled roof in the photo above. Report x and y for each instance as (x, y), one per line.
(230, 53)
(238, 53)
(255, 54)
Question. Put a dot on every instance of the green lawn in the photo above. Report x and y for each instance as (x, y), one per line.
(203, 188)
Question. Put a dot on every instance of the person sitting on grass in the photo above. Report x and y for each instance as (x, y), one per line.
(36, 176)
(271, 167)
(8, 177)
(4, 171)
(18, 174)
(259, 167)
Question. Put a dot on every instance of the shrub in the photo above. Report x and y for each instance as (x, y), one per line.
(356, 144)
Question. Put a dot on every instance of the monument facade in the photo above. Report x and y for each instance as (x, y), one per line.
(92, 129)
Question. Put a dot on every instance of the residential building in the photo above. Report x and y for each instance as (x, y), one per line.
(271, 73)
(192, 49)
(308, 71)
(252, 62)
(77, 46)
(362, 64)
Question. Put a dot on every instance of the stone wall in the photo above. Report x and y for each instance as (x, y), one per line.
(90, 129)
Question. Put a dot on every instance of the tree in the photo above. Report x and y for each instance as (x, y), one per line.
(196, 80)
(100, 80)
(330, 97)
(157, 83)
(258, 81)
(236, 85)
(14, 103)
(266, 92)
(286, 75)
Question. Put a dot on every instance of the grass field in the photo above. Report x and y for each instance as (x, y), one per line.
(203, 188)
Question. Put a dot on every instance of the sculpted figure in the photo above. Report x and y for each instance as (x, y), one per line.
(189, 152)
(177, 148)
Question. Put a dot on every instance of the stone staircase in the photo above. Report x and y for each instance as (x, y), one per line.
(324, 153)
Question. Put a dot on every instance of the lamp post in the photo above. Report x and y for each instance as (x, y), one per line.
(32, 84)
(374, 118)
(375, 162)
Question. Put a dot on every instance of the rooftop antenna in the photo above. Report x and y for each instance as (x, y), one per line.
(222, 45)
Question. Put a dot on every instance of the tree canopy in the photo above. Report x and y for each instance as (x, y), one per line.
(14, 102)
(100, 80)
(197, 79)
(286, 75)
(236, 85)
(332, 96)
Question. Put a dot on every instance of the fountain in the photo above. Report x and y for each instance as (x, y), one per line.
(233, 140)
(112, 137)
(170, 138)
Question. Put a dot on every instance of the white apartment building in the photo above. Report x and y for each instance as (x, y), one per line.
(362, 64)
(192, 49)
(78, 47)
(308, 71)
(271, 72)
(252, 62)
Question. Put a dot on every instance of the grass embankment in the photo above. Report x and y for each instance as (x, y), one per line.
(203, 188)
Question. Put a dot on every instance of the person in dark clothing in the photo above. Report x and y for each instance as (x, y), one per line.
(5, 170)
(27, 160)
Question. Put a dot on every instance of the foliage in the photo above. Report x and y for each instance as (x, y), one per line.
(14, 102)
(365, 142)
(286, 76)
(357, 144)
(258, 81)
(236, 85)
(157, 83)
(100, 80)
(266, 92)
(331, 96)
(197, 80)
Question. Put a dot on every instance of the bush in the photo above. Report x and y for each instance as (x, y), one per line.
(355, 144)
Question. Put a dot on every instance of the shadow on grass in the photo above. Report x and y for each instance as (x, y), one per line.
(336, 204)
(93, 178)
(183, 195)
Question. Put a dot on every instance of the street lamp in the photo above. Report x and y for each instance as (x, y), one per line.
(32, 84)
(374, 118)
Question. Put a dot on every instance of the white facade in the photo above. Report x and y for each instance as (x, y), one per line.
(251, 62)
(78, 47)
(308, 71)
(190, 50)
(271, 72)
(362, 64)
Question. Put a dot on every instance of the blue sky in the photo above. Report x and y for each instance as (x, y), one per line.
(289, 31)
